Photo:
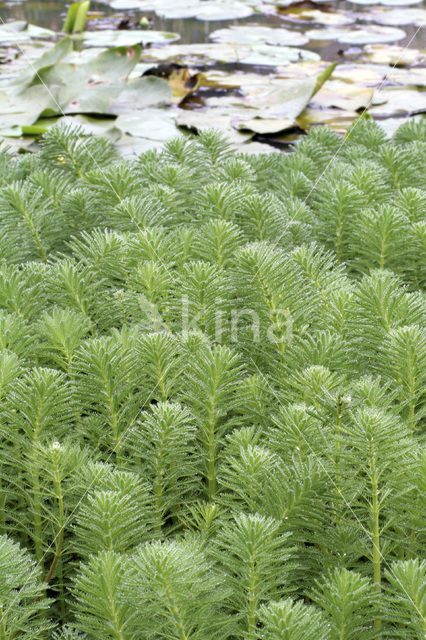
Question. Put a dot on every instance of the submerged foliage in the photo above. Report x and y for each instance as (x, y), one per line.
(212, 378)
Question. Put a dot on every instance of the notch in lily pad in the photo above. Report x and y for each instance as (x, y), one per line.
(76, 17)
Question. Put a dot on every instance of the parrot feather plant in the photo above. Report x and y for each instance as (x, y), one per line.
(213, 389)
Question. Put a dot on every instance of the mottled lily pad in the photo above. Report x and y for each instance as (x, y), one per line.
(223, 11)
(124, 5)
(92, 87)
(337, 119)
(24, 109)
(20, 31)
(251, 34)
(200, 54)
(397, 17)
(396, 100)
(152, 124)
(349, 97)
(392, 55)
(360, 35)
(388, 3)
(308, 15)
(140, 94)
(199, 9)
(220, 119)
(110, 38)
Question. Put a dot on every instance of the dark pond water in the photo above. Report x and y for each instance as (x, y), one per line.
(51, 14)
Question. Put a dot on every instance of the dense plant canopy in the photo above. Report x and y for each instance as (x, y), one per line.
(212, 378)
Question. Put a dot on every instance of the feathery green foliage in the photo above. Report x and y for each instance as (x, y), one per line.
(212, 382)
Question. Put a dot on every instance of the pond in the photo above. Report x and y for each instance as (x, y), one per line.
(368, 41)
(51, 14)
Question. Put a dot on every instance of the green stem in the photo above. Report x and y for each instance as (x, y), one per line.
(2, 508)
(211, 456)
(3, 631)
(38, 532)
(377, 556)
(174, 610)
(252, 601)
(60, 537)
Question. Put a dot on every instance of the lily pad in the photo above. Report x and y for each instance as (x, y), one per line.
(152, 124)
(24, 109)
(360, 35)
(214, 118)
(307, 15)
(110, 38)
(397, 17)
(251, 34)
(392, 55)
(174, 10)
(140, 94)
(20, 31)
(124, 5)
(223, 11)
(93, 86)
(396, 100)
(45, 61)
(199, 9)
(258, 54)
(342, 95)
(388, 3)
(337, 119)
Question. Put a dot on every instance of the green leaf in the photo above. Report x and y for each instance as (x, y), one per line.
(76, 17)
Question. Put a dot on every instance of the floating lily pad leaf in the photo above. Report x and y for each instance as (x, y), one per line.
(200, 54)
(93, 86)
(168, 9)
(388, 3)
(264, 55)
(24, 109)
(88, 125)
(152, 124)
(373, 75)
(20, 31)
(392, 55)
(342, 95)
(214, 118)
(110, 38)
(362, 35)
(175, 10)
(278, 106)
(254, 147)
(250, 34)
(279, 5)
(415, 77)
(303, 69)
(140, 94)
(396, 100)
(307, 15)
(337, 119)
(272, 105)
(123, 5)
(131, 146)
(223, 11)
(232, 79)
(90, 100)
(397, 17)
(264, 125)
(199, 9)
(361, 74)
(48, 59)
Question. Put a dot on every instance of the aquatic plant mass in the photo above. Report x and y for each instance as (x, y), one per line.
(253, 74)
(212, 379)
